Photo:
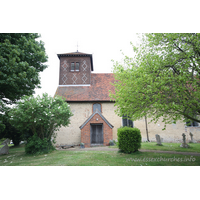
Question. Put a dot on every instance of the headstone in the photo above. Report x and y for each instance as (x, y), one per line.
(7, 141)
(82, 145)
(184, 144)
(4, 150)
(111, 142)
(158, 140)
(191, 141)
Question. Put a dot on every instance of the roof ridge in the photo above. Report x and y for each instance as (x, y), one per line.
(102, 73)
(75, 53)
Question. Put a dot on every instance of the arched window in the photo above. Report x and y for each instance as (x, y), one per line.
(96, 106)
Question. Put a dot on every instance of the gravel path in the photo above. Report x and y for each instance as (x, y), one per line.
(116, 149)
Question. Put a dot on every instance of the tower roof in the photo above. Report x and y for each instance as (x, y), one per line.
(77, 54)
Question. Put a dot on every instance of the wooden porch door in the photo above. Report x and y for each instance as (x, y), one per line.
(96, 134)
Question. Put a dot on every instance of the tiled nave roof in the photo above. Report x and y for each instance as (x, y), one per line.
(97, 91)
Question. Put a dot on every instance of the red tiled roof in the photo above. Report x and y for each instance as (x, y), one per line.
(97, 91)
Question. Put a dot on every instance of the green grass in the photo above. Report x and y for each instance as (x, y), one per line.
(10, 145)
(194, 147)
(17, 157)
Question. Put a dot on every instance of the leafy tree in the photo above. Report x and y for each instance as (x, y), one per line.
(162, 80)
(2, 126)
(22, 57)
(42, 115)
(10, 131)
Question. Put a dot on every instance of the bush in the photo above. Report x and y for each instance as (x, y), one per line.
(35, 145)
(129, 139)
(41, 116)
(2, 140)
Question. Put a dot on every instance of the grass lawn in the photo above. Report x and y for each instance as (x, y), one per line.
(17, 157)
(10, 145)
(194, 147)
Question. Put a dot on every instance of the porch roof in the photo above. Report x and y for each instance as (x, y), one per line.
(96, 112)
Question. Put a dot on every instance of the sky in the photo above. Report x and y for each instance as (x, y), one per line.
(101, 28)
(103, 51)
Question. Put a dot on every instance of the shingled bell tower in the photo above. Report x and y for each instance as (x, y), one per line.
(75, 69)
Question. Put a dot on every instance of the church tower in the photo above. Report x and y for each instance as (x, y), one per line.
(75, 69)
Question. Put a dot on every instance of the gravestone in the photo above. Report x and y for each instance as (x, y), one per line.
(158, 140)
(184, 144)
(82, 145)
(4, 150)
(7, 141)
(111, 142)
(191, 141)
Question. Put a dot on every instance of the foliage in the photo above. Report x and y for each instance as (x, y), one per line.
(162, 80)
(35, 145)
(42, 116)
(21, 60)
(3, 109)
(22, 57)
(10, 131)
(2, 126)
(129, 139)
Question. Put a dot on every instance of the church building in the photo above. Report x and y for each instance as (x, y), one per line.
(94, 121)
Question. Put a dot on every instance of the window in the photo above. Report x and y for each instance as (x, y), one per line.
(189, 122)
(192, 123)
(96, 106)
(77, 66)
(126, 121)
(74, 66)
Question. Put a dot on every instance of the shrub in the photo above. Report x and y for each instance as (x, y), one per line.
(35, 145)
(2, 140)
(41, 116)
(129, 139)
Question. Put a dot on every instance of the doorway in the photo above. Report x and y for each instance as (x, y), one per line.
(96, 134)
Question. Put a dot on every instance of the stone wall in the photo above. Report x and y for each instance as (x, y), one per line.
(72, 135)
(173, 132)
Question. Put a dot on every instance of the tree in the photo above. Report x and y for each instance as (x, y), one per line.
(2, 126)
(10, 131)
(42, 115)
(22, 57)
(162, 80)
